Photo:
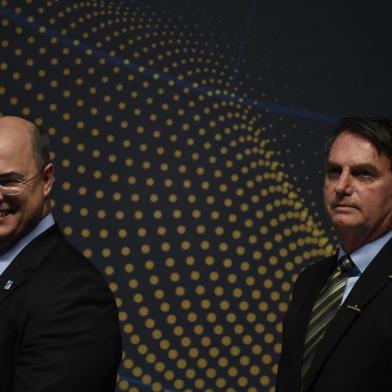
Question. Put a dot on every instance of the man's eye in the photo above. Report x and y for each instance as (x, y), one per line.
(363, 174)
(333, 172)
(8, 183)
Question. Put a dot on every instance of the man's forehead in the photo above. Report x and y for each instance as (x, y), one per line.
(15, 130)
(378, 162)
(15, 138)
(348, 143)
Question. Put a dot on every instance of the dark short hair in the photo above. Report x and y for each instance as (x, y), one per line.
(40, 145)
(377, 130)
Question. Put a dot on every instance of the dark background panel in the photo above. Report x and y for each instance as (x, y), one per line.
(188, 142)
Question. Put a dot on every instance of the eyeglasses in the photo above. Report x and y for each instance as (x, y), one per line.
(15, 187)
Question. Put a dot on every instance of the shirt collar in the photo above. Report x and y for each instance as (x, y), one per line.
(364, 255)
(11, 253)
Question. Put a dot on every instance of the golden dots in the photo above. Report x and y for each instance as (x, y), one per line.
(286, 286)
(205, 245)
(204, 177)
(83, 212)
(103, 233)
(66, 185)
(256, 349)
(106, 252)
(117, 196)
(173, 198)
(67, 208)
(87, 253)
(135, 197)
(123, 385)
(157, 214)
(138, 215)
(18, 52)
(99, 194)
(81, 169)
(65, 163)
(176, 213)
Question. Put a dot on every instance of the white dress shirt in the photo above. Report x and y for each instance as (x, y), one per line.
(9, 255)
(362, 257)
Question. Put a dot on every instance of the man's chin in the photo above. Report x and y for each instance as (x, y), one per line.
(345, 222)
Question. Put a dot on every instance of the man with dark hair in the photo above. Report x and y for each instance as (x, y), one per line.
(338, 330)
(59, 329)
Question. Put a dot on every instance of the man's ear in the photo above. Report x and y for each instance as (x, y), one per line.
(48, 178)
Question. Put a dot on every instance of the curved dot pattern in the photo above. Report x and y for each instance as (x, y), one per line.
(170, 180)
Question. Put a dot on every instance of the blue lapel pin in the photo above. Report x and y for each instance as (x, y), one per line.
(8, 285)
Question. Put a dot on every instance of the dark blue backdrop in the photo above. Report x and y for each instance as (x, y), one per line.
(188, 140)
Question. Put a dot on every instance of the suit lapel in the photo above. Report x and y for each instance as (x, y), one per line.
(317, 278)
(27, 261)
(374, 279)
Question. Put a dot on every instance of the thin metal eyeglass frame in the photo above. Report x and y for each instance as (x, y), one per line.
(18, 187)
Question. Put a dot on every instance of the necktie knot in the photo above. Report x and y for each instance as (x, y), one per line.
(347, 266)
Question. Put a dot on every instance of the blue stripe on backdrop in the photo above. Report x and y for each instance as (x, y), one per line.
(149, 72)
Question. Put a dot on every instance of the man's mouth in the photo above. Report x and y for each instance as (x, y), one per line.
(4, 212)
(341, 205)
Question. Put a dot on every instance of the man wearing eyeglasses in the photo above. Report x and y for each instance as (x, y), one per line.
(58, 322)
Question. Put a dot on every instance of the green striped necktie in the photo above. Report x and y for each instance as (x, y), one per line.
(325, 308)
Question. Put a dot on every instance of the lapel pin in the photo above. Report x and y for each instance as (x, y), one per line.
(355, 308)
(8, 285)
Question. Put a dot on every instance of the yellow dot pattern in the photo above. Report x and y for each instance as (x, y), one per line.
(168, 179)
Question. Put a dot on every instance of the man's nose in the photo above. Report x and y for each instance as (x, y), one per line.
(344, 183)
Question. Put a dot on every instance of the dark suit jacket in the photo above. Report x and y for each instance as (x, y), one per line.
(59, 329)
(355, 354)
